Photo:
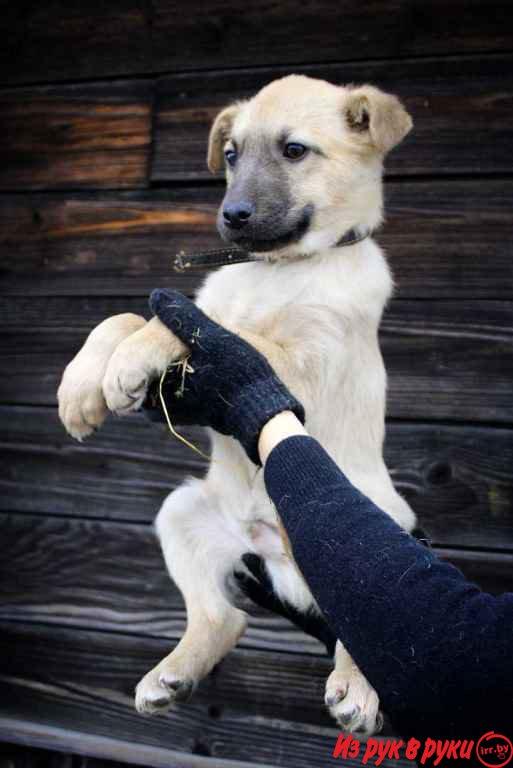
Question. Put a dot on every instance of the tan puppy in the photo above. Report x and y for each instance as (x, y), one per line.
(304, 167)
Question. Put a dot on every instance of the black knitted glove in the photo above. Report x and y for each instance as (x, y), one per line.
(227, 385)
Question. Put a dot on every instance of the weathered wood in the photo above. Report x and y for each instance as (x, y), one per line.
(76, 136)
(78, 314)
(99, 135)
(449, 360)
(461, 110)
(66, 41)
(124, 473)
(111, 576)
(444, 239)
(445, 359)
(256, 707)
(457, 478)
(91, 751)
(110, 244)
(59, 41)
(323, 31)
(14, 756)
(492, 571)
(18, 756)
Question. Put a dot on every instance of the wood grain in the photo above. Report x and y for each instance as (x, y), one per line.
(256, 707)
(461, 110)
(90, 751)
(449, 360)
(59, 41)
(131, 465)
(15, 755)
(76, 136)
(457, 478)
(110, 576)
(445, 359)
(65, 41)
(443, 239)
(110, 244)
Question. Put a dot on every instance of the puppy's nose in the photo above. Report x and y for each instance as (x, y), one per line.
(237, 215)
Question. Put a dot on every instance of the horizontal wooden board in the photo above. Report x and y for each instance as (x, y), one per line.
(258, 707)
(59, 40)
(444, 239)
(461, 110)
(457, 478)
(17, 756)
(124, 473)
(492, 571)
(111, 576)
(76, 136)
(445, 359)
(64, 41)
(449, 360)
(89, 751)
(110, 244)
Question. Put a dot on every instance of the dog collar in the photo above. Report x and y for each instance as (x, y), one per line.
(220, 257)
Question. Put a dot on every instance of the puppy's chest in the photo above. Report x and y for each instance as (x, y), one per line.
(252, 303)
(250, 295)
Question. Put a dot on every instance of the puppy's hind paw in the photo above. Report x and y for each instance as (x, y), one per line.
(353, 703)
(159, 690)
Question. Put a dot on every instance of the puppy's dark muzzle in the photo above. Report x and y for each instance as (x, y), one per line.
(253, 232)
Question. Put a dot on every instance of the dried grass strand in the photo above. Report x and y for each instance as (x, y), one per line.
(185, 365)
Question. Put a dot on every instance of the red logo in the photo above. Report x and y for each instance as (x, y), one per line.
(494, 750)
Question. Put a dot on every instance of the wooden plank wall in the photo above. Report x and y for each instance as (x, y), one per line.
(104, 114)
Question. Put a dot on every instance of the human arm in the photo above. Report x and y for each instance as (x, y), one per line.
(428, 640)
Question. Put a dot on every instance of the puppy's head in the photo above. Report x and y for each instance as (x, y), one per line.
(303, 162)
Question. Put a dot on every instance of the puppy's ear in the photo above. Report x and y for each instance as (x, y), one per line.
(219, 134)
(378, 116)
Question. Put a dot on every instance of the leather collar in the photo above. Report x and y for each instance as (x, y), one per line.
(220, 257)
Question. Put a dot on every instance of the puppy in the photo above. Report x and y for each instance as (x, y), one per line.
(304, 162)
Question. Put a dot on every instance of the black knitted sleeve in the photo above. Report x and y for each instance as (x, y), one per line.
(436, 648)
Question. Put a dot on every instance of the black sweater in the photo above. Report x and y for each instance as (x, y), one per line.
(435, 647)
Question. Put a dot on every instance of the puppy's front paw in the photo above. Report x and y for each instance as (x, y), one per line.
(126, 380)
(136, 362)
(161, 688)
(82, 407)
(353, 702)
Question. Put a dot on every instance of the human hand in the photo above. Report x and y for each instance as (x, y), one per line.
(225, 383)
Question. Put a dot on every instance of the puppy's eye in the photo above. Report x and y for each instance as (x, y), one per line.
(294, 151)
(231, 157)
